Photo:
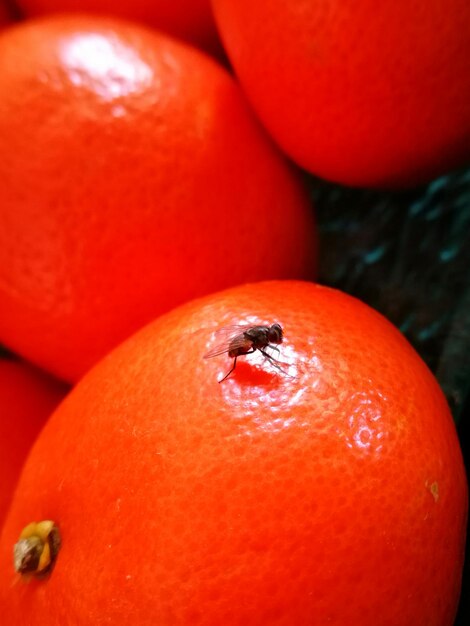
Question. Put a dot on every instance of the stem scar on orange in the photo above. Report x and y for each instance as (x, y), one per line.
(337, 495)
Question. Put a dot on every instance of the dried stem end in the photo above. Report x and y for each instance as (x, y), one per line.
(36, 549)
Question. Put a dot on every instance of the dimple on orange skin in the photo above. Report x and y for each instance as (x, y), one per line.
(134, 178)
(36, 550)
(371, 96)
(336, 494)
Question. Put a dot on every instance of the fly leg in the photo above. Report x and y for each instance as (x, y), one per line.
(235, 364)
(273, 361)
(230, 371)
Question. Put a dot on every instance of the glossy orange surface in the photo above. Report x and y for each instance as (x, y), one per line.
(366, 95)
(334, 493)
(133, 179)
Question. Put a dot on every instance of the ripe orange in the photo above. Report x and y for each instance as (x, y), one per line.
(4, 14)
(335, 493)
(369, 95)
(192, 20)
(27, 398)
(133, 178)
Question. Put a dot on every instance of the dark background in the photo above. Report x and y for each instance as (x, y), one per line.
(407, 255)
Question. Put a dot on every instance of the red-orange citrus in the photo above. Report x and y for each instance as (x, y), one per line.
(334, 493)
(27, 398)
(192, 20)
(4, 14)
(133, 177)
(363, 93)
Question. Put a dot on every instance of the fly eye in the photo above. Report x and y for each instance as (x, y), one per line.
(276, 333)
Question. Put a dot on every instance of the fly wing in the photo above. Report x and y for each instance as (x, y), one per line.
(228, 338)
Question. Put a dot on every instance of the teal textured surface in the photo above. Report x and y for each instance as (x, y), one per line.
(408, 256)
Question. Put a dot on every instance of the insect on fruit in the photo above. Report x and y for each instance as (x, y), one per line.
(241, 340)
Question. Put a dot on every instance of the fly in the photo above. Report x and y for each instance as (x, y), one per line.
(246, 340)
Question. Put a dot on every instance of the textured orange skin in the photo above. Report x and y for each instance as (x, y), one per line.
(192, 20)
(134, 179)
(337, 495)
(27, 398)
(366, 94)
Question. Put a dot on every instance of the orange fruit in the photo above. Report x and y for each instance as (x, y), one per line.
(4, 14)
(27, 398)
(371, 96)
(133, 179)
(332, 493)
(192, 20)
